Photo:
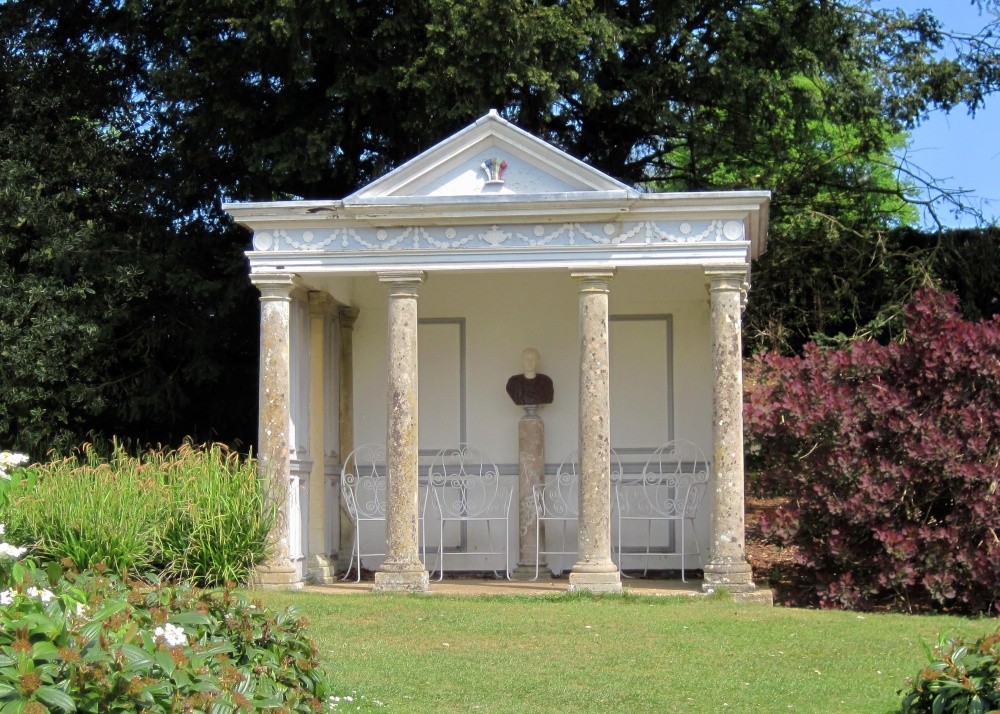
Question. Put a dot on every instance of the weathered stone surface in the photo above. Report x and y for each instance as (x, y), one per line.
(727, 567)
(402, 568)
(272, 438)
(594, 570)
(531, 471)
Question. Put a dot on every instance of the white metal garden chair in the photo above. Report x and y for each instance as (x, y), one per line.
(363, 487)
(672, 487)
(557, 502)
(463, 486)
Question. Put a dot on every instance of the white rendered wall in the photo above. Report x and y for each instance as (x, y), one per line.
(502, 315)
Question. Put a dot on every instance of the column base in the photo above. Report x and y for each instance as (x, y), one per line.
(595, 582)
(277, 575)
(322, 570)
(734, 577)
(596, 576)
(408, 581)
(527, 572)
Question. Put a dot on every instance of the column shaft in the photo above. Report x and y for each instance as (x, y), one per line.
(321, 570)
(594, 570)
(274, 417)
(402, 569)
(346, 317)
(727, 566)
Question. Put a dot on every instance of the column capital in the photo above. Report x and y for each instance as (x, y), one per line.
(592, 280)
(347, 316)
(319, 303)
(402, 283)
(275, 286)
(727, 279)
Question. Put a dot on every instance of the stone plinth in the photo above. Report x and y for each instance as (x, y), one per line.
(727, 567)
(402, 568)
(594, 570)
(531, 472)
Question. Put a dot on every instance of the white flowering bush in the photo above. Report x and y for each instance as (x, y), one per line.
(91, 643)
(10, 460)
(9, 555)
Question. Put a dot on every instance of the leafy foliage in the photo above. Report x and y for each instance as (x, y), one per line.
(889, 454)
(959, 678)
(197, 513)
(119, 297)
(94, 643)
(124, 305)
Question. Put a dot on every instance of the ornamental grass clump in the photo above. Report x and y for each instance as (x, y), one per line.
(91, 510)
(219, 518)
(197, 512)
(958, 679)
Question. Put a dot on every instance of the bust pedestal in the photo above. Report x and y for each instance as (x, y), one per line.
(531, 471)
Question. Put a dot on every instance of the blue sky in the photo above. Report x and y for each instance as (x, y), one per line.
(959, 150)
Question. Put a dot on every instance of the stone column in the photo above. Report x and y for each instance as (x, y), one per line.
(346, 317)
(727, 567)
(321, 569)
(594, 570)
(402, 569)
(531, 471)
(274, 418)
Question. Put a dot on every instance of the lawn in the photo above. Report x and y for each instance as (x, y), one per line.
(570, 653)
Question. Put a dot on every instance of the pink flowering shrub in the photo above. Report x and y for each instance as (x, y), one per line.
(889, 456)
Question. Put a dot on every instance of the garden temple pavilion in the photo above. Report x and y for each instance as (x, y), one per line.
(447, 268)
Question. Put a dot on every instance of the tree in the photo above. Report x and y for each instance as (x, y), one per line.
(183, 103)
(807, 98)
(118, 299)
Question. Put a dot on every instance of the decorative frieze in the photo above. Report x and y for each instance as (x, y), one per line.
(500, 236)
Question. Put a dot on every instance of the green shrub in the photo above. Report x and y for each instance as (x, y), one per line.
(196, 512)
(95, 643)
(959, 678)
(888, 455)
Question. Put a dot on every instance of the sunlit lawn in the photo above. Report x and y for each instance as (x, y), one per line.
(563, 653)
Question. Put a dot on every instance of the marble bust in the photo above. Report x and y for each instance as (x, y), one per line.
(530, 388)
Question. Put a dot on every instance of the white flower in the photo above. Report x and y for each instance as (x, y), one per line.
(3, 528)
(46, 596)
(7, 596)
(11, 551)
(9, 458)
(81, 609)
(172, 634)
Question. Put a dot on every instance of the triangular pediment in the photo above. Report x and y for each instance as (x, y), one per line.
(489, 157)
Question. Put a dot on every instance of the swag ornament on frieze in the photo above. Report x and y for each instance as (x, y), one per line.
(496, 236)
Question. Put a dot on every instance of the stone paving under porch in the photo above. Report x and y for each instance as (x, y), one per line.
(491, 586)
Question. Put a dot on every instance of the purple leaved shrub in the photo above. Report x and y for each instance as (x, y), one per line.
(888, 455)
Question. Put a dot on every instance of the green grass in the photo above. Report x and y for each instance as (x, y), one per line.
(615, 654)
